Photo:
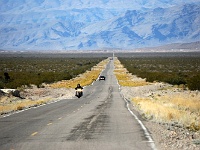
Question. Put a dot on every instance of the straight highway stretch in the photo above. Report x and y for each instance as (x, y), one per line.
(100, 120)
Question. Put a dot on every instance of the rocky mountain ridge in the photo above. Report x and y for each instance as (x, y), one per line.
(103, 24)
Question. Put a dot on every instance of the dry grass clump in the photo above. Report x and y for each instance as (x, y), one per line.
(84, 79)
(20, 105)
(152, 109)
(171, 108)
(186, 103)
(125, 78)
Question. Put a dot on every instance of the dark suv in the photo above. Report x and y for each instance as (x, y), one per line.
(102, 78)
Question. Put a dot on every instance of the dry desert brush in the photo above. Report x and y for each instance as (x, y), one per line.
(38, 70)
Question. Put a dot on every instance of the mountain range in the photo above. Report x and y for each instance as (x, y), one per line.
(99, 24)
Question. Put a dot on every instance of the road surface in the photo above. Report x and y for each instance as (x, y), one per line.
(99, 120)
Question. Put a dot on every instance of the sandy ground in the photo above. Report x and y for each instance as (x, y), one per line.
(51, 93)
(35, 93)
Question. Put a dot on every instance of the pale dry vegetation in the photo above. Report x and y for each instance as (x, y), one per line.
(169, 109)
(20, 105)
(164, 105)
(125, 78)
(84, 79)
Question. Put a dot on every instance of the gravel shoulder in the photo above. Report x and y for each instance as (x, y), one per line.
(167, 136)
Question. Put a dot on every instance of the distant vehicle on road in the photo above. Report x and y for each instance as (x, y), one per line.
(102, 78)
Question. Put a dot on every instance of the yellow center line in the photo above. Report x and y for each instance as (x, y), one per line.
(33, 134)
(59, 118)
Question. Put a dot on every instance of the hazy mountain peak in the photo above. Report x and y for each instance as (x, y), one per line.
(89, 24)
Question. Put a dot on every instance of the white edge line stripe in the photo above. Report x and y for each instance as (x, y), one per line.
(150, 140)
(147, 134)
(31, 107)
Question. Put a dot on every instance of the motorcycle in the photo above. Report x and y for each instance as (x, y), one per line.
(79, 92)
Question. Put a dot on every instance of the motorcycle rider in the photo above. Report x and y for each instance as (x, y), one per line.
(78, 87)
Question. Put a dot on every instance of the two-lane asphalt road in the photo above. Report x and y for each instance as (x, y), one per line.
(99, 120)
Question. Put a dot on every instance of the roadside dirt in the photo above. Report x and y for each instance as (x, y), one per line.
(32, 97)
(167, 136)
(47, 92)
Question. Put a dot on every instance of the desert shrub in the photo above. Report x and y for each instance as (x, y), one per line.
(175, 80)
(38, 70)
(194, 82)
(20, 107)
(175, 70)
(1, 84)
(7, 77)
